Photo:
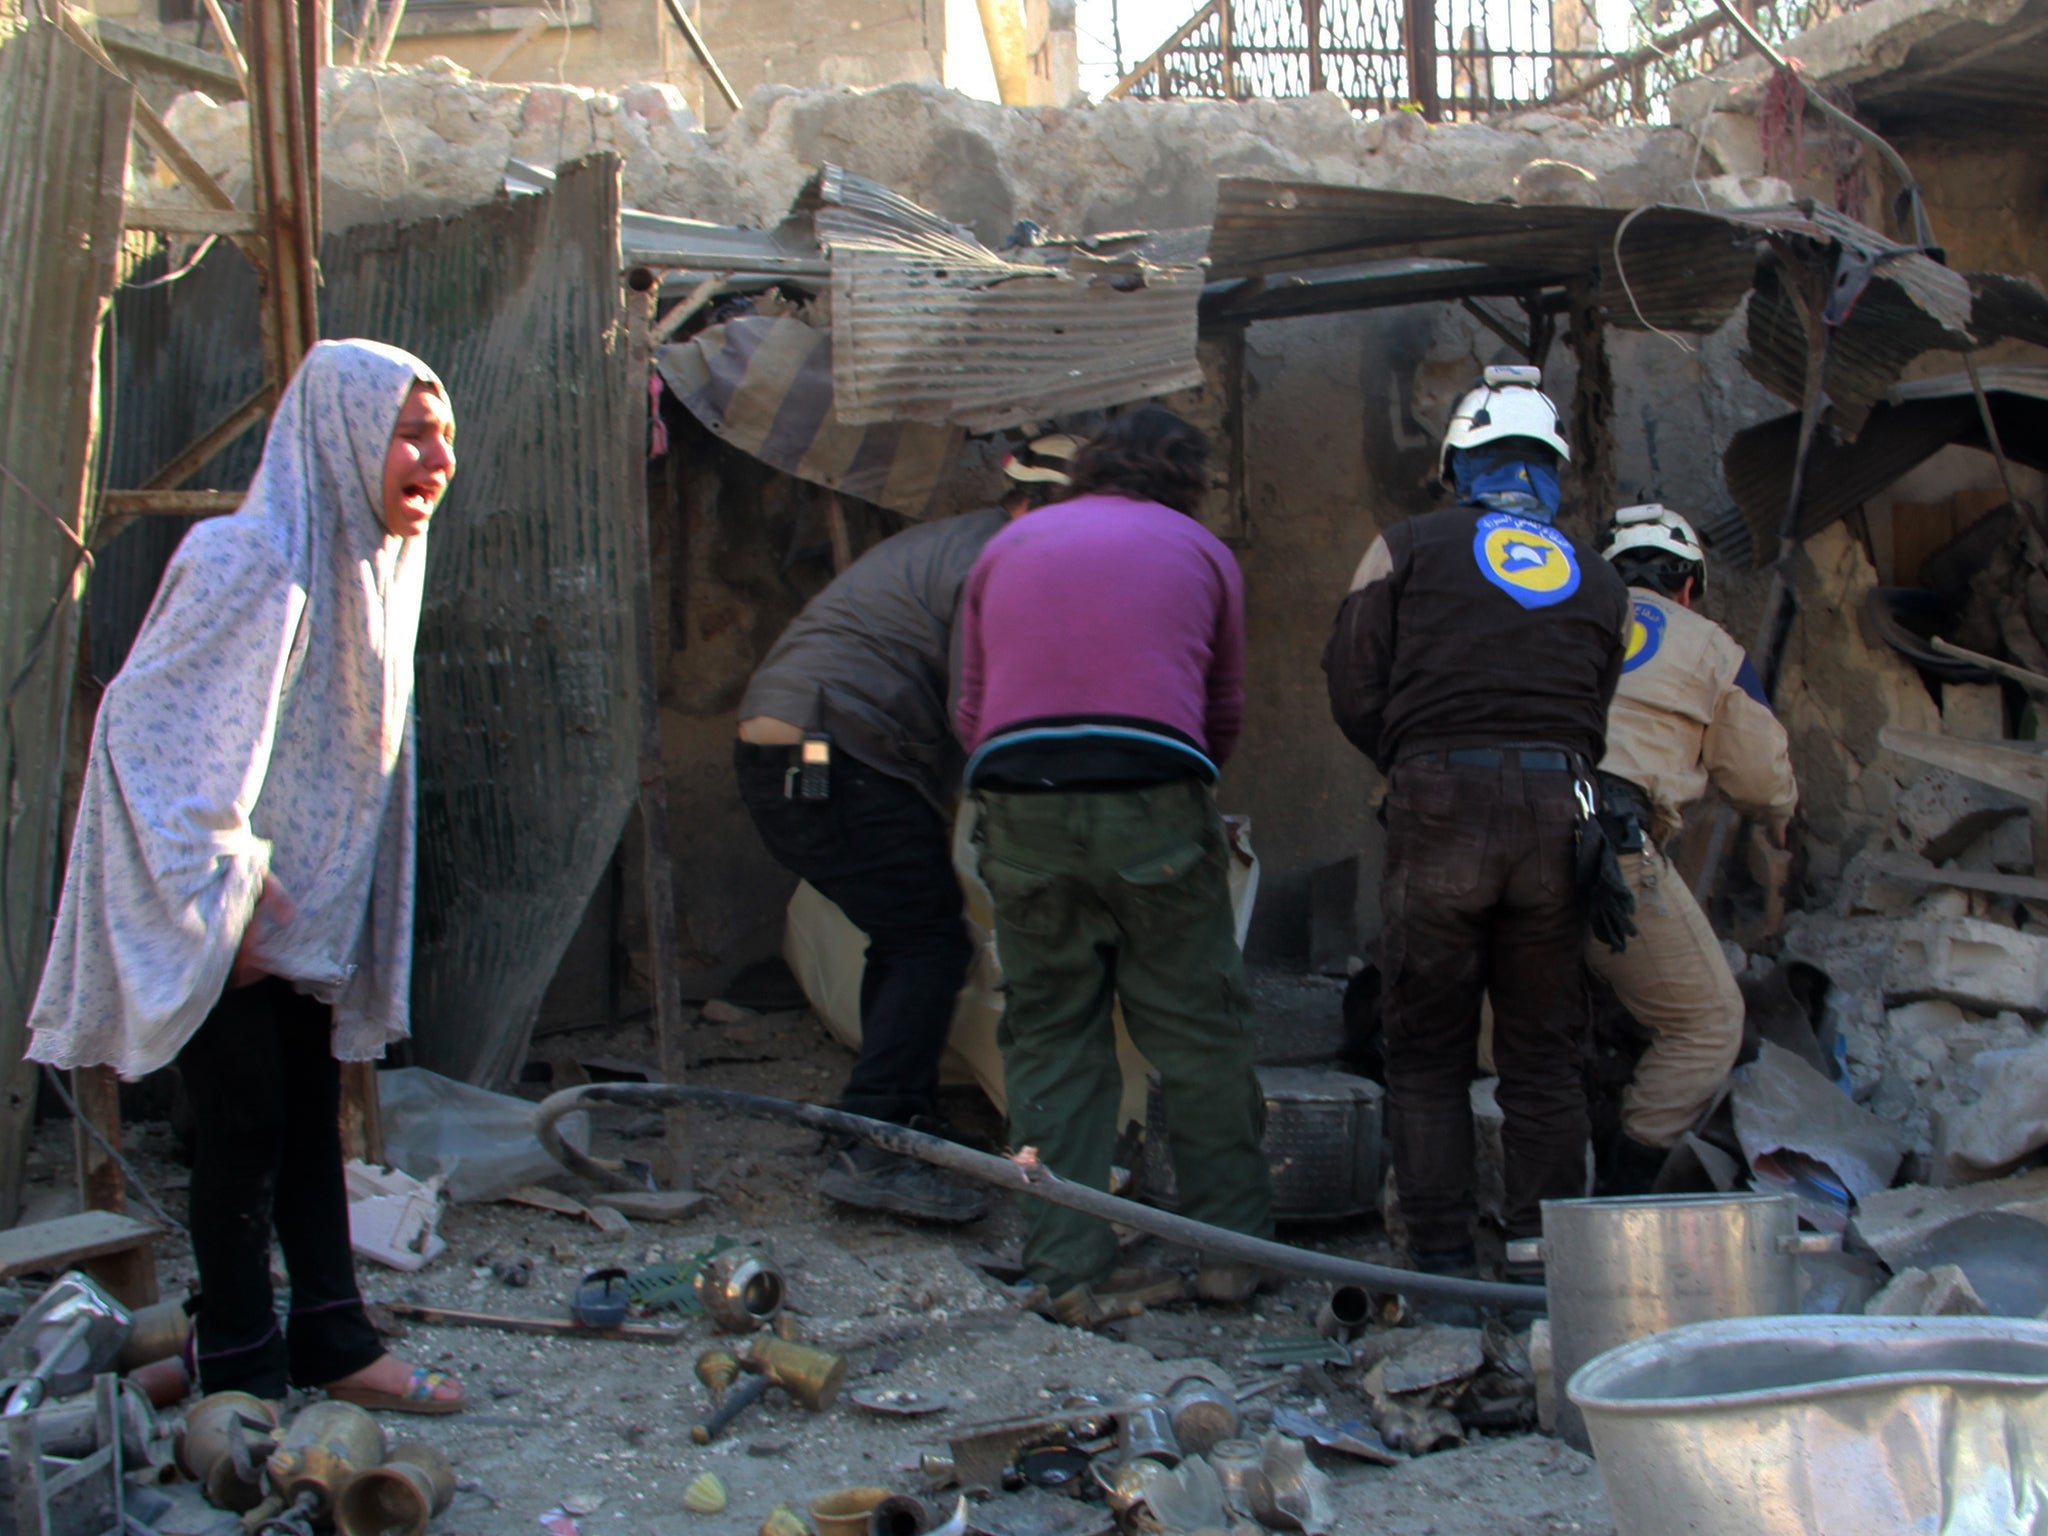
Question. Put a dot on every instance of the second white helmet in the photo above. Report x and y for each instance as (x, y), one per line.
(1655, 530)
(1507, 402)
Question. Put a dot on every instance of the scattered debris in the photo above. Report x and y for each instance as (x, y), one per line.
(1943, 1291)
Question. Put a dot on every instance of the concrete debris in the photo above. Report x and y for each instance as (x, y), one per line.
(2008, 1120)
(1432, 1356)
(429, 140)
(1894, 1223)
(1980, 965)
(1940, 1292)
(392, 1216)
(1943, 813)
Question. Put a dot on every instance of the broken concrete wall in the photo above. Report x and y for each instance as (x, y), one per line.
(1342, 413)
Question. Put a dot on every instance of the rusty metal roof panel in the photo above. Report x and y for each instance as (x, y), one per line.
(851, 213)
(2003, 305)
(64, 125)
(991, 349)
(1914, 421)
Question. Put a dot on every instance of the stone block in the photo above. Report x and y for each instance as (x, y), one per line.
(1979, 965)
(1943, 1291)
(1973, 711)
(1942, 813)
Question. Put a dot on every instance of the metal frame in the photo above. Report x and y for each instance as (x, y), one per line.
(35, 1486)
(1445, 58)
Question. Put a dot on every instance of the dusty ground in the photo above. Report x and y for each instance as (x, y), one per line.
(602, 1427)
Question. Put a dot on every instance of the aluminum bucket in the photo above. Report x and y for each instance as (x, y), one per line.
(1824, 1426)
(1622, 1269)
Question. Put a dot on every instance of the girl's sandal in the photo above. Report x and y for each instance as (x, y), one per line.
(422, 1394)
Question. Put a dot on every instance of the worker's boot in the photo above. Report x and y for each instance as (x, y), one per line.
(873, 1180)
(1632, 1167)
(1233, 1282)
(1454, 1263)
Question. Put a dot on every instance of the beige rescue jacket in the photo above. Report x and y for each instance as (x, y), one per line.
(1681, 719)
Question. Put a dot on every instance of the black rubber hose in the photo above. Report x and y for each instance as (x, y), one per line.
(1004, 1174)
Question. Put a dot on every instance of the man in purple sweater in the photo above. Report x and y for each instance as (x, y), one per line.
(1102, 683)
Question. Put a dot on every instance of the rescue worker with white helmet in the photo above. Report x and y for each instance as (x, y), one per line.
(1689, 712)
(1473, 662)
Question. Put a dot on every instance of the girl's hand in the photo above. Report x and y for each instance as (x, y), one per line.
(274, 909)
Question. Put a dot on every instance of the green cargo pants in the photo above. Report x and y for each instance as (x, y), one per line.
(1113, 895)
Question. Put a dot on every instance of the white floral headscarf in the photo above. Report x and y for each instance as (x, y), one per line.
(262, 722)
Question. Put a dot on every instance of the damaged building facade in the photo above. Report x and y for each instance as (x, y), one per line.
(1327, 414)
(1332, 418)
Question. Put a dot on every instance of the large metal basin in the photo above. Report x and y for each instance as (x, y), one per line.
(1824, 1426)
(1622, 1269)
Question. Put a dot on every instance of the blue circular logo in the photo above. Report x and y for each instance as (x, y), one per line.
(1645, 633)
(1531, 563)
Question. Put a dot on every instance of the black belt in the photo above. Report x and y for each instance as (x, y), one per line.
(1528, 759)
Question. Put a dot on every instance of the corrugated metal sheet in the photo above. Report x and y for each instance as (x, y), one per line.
(2006, 306)
(527, 731)
(851, 213)
(184, 356)
(63, 157)
(914, 342)
(1912, 424)
(527, 726)
(1294, 248)
(1887, 330)
(1675, 268)
(929, 325)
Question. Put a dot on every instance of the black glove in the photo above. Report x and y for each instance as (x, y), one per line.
(1610, 905)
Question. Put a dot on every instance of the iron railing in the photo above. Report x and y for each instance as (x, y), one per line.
(1455, 58)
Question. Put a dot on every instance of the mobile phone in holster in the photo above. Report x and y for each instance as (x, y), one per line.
(812, 777)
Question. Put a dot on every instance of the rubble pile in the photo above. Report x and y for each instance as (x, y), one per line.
(408, 142)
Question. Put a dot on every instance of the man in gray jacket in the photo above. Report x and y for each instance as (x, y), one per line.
(848, 765)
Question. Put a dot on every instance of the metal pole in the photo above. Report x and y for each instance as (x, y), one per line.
(663, 933)
(1421, 18)
(1312, 18)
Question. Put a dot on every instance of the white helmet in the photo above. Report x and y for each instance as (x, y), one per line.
(1507, 402)
(1655, 530)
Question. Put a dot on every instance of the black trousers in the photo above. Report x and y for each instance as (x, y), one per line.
(265, 1091)
(879, 852)
(1480, 898)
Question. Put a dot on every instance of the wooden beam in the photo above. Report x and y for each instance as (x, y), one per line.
(156, 133)
(169, 503)
(1157, 58)
(195, 457)
(664, 934)
(1914, 871)
(1628, 63)
(210, 72)
(703, 51)
(362, 1126)
(74, 1242)
(513, 44)
(187, 221)
(228, 45)
(645, 1333)
(387, 31)
(129, 1272)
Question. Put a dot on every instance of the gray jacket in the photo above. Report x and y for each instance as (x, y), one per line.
(868, 661)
